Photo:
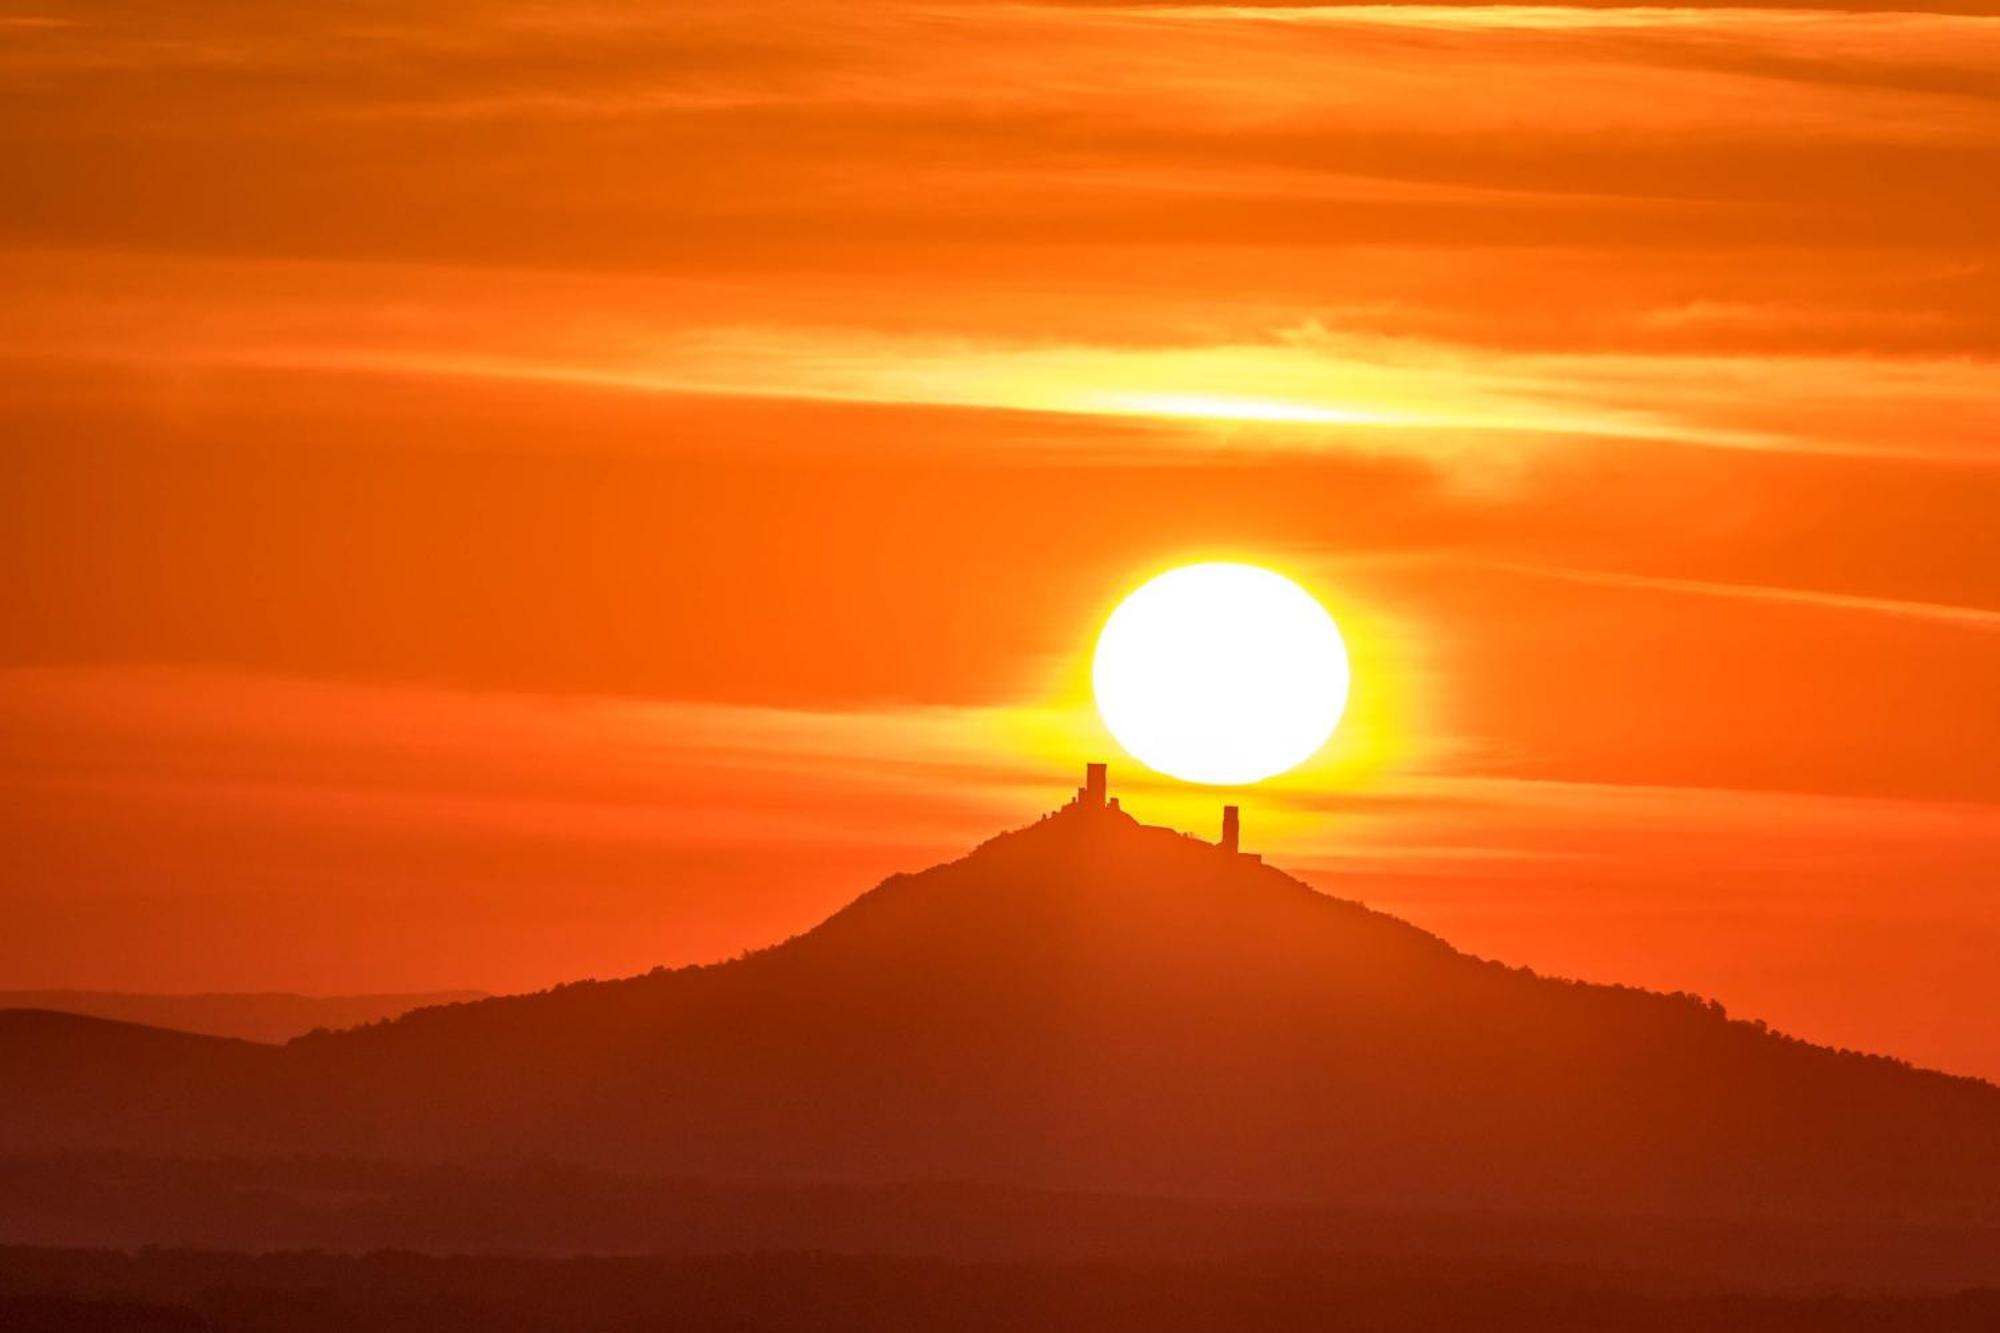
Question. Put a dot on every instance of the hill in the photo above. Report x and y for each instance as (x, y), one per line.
(1083, 1004)
(271, 1016)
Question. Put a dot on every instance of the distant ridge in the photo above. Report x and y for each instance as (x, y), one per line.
(269, 1016)
(1086, 1003)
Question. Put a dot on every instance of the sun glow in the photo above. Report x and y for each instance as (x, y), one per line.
(1221, 673)
(1216, 408)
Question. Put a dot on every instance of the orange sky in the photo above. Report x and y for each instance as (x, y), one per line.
(501, 493)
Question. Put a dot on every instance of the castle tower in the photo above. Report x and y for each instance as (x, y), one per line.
(1092, 795)
(1232, 830)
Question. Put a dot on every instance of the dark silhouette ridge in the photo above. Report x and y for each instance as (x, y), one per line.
(1083, 1004)
(265, 1203)
(46, 1289)
(269, 1016)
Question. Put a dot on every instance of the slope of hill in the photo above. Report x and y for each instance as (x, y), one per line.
(271, 1016)
(1088, 1003)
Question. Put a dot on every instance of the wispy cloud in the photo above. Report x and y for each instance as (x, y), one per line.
(588, 767)
(1316, 384)
(1936, 613)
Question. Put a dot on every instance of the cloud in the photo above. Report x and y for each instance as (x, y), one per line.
(592, 140)
(1935, 613)
(1317, 384)
(1747, 227)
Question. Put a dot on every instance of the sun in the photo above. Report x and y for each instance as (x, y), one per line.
(1221, 673)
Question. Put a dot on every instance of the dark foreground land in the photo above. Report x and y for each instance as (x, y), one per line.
(126, 1202)
(172, 1290)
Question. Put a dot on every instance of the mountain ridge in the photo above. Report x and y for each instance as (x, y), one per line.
(266, 1016)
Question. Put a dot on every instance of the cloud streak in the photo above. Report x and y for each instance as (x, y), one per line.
(1977, 619)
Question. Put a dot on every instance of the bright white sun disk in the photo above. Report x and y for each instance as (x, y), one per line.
(1221, 673)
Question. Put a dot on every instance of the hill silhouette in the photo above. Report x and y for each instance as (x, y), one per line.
(271, 1016)
(1083, 1004)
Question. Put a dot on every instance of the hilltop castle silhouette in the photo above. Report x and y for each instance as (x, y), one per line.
(1083, 1004)
(1092, 798)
